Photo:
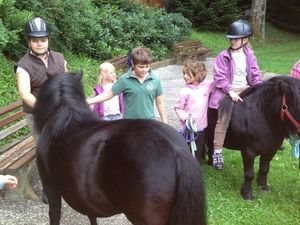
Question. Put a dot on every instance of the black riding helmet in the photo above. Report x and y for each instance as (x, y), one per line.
(37, 27)
(240, 29)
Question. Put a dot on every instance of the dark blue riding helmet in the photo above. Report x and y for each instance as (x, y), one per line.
(239, 29)
(37, 27)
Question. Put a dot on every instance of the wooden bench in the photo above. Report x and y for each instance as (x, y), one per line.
(120, 62)
(190, 50)
(16, 156)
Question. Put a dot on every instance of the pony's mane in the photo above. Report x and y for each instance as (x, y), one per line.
(266, 92)
(61, 102)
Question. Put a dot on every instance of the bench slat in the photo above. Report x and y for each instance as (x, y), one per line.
(11, 118)
(186, 43)
(119, 62)
(27, 157)
(10, 107)
(200, 51)
(16, 152)
(12, 129)
(180, 48)
(190, 50)
(12, 144)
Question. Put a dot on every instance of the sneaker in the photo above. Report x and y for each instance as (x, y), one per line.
(218, 161)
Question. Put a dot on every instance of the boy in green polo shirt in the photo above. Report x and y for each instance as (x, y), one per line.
(140, 88)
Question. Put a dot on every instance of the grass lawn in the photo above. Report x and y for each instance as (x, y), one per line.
(277, 54)
(279, 206)
(282, 204)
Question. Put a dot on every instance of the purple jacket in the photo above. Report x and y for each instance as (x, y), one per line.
(99, 108)
(223, 74)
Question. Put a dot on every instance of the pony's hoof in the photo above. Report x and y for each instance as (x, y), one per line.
(265, 188)
(45, 198)
(247, 196)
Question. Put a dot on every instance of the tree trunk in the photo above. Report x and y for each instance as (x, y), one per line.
(257, 17)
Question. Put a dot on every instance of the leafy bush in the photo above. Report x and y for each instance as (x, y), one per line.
(81, 29)
(207, 14)
(8, 90)
(138, 25)
(12, 23)
(102, 30)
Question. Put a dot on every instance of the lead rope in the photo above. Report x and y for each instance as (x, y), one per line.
(192, 133)
(294, 141)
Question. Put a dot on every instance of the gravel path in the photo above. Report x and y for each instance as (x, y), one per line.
(28, 212)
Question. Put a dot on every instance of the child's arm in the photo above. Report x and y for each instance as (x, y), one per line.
(24, 88)
(160, 104)
(179, 107)
(108, 94)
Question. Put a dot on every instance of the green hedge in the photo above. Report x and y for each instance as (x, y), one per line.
(93, 28)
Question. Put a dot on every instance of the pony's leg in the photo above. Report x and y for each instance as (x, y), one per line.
(248, 161)
(264, 166)
(54, 199)
(93, 220)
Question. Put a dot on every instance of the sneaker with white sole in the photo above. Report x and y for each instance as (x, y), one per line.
(218, 161)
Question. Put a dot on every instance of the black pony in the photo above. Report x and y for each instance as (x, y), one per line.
(268, 113)
(142, 168)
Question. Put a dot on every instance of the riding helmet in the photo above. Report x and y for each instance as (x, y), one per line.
(240, 29)
(37, 27)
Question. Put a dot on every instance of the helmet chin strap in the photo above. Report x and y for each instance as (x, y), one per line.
(242, 45)
(39, 54)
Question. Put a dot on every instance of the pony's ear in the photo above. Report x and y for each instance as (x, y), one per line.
(78, 75)
(49, 75)
(283, 86)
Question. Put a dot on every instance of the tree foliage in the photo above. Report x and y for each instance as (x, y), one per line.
(12, 23)
(207, 14)
(284, 14)
(99, 29)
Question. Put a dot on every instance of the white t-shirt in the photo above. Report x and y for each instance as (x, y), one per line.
(240, 73)
(111, 106)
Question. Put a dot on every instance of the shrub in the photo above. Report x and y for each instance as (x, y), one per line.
(12, 23)
(101, 30)
(138, 25)
(8, 90)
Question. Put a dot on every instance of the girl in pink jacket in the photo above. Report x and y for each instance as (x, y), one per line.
(193, 101)
(235, 69)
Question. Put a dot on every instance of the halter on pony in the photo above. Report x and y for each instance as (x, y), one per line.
(294, 139)
(285, 112)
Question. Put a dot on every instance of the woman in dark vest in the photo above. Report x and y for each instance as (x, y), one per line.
(35, 66)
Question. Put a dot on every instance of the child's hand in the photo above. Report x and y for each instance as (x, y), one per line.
(234, 96)
(193, 119)
(11, 182)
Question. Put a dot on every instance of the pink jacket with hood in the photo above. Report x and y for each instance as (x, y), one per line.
(223, 74)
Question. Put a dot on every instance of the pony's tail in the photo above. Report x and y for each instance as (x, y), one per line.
(190, 203)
